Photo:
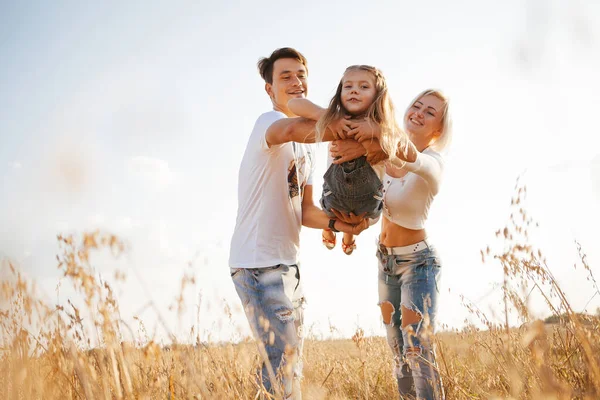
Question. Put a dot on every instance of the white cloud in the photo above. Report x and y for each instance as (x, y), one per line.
(15, 165)
(153, 171)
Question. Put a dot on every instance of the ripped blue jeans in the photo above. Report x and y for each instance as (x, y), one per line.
(273, 302)
(411, 281)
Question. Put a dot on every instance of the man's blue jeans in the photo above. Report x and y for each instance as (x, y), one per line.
(273, 302)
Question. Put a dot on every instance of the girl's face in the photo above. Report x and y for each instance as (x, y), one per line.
(424, 117)
(358, 91)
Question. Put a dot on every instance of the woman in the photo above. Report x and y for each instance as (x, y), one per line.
(409, 269)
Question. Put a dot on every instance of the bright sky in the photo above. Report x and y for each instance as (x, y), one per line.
(133, 117)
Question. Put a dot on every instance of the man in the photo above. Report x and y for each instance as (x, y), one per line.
(275, 198)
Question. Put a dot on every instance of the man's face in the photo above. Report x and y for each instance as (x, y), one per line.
(289, 82)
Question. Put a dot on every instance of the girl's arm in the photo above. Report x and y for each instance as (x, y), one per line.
(302, 129)
(309, 110)
(306, 108)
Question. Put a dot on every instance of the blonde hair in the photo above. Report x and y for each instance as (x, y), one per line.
(381, 111)
(442, 143)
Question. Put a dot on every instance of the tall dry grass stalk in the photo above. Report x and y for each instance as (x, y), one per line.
(56, 352)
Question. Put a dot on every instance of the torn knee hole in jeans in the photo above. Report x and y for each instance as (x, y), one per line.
(387, 311)
(414, 323)
(413, 351)
(285, 314)
(413, 357)
(410, 316)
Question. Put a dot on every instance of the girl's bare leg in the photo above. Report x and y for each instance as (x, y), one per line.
(348, 244)
(328, 238)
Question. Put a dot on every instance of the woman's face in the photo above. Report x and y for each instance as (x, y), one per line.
(358, 91)
(424, 117)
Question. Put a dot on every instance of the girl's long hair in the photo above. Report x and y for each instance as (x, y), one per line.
(381, 112)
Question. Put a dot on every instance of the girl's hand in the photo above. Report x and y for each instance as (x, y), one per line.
(341, 127)
(365, 129)
(347, 150)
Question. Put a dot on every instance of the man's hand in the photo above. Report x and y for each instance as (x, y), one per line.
(358, 222)
(347, 150)
(349, 218)
(357, 229)
(341, 127)
(363, 130)
(375, 154)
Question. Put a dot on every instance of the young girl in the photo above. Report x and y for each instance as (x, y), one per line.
(354, 186)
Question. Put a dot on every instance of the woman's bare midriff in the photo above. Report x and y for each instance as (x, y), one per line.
(393, 235)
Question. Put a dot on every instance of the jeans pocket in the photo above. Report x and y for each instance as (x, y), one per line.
(258, 273)
(399, 261)
(275, 267)
(235, 271)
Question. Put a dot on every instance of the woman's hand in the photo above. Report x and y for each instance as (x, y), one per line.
(346, 150)
(365, 129)
(341, 127)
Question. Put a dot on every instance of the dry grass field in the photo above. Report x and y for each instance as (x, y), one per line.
(540, 362)
(535, 361)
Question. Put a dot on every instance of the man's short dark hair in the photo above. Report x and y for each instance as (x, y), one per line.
(265, 65)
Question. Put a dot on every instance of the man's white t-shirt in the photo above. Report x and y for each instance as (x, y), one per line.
(270, 191)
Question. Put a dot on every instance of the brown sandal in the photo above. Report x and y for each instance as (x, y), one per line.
(329, 243)
(348, 248)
